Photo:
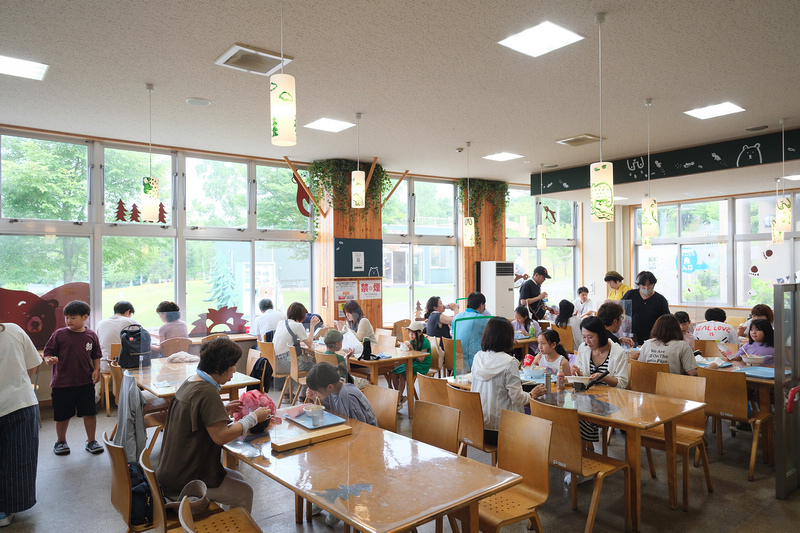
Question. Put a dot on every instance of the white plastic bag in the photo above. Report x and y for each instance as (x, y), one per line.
(351, 341)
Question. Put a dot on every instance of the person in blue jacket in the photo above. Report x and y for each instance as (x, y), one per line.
(469, 332)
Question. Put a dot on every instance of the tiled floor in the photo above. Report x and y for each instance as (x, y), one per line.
(73, 494)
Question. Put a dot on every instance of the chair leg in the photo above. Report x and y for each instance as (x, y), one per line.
(573, 490)
(650, 462)
(286, 383)
(534, 523)
(718, 421)
(439, 525)
(701, 449)
(453, 524)
(598, 486)
(754, 449)
(605, 437)
(107, 393)
(686, 480)
(626, 498)
(494, 458)
(697, 455)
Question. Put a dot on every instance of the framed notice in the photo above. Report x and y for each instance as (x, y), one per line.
(369, 289)
(345, 290)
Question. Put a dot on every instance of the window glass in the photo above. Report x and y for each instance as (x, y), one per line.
(140, 270)
(704, 218)
(215, 278)
(558, 260)
(216, 193)
(124, 172)
(31, 166)
(434, 274)
(520, 214)
(433, 208)
(283, 274)
(704, 273)
(396, 296)
(395, 213)
(754, 214)
(759, 265)
(667, 221)
(661, 260)
(557, 218)
(278, 197)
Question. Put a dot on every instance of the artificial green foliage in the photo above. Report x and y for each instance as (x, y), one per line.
(482, 192)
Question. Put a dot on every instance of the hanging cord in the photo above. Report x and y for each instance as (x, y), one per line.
(149, 88)
(281, 36)
(358, 141)
(599, 18)
(783, 154)
(648, 102)
(468, 143)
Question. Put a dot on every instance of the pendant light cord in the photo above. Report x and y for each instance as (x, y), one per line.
(599, 18)
(648, 102)
(358, 142)
(783, 155)
(150, 141)
(281, 36)
(468, 143)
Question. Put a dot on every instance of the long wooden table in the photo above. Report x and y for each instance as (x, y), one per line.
(163, 379)
(633, 412)
(376, 367)
(375, 480)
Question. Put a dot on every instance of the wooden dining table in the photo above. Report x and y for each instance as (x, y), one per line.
(632, 412)
(374, 480)
(163, 378)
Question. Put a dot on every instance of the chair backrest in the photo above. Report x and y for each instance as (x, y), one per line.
(159, 509)
(174, 345)
(433, 390)
(523, 447)
(643, 375)
(686, 388)
(211, 337)
(726, 393)
(120, 479)
(397, 327)
(116, 347)
(436, 425)
(381, 331)
(320, 334)
(447, 361)
(567, 454)
(384, 403)
(295, 368)
(267, 350)
(387, 342)
(185, 515)
(252, 358)
(436, 359)
(116, 378)
(735, 321)
(470, 427)
(565, 333)
(329, 358)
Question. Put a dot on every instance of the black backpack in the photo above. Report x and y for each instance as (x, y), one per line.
(141, 497)
(135, 342)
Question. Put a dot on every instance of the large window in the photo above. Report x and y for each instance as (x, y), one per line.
(283, 273)
(216, 193)
(433, 208)
(124, 173)
(281, 199)
(394, 215)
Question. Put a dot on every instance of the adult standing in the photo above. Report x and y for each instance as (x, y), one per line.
(616, 288)
(19, 428)
(531, 295)
(646, 305)
(268, 321)
(108, 331)
(439, 323)
(469, 332)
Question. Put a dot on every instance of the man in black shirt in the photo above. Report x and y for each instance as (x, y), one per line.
(646, 305)
(531, 295)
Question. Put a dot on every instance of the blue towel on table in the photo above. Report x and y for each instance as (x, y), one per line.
(761, 372)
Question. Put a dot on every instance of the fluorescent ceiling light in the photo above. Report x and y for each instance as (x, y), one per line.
(618, 198)
(502, 156)
(795, 177)
(329, 124)
(725, 108)
(22, 68)
(541, 39)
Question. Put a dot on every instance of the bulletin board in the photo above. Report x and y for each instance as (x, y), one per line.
(357, 258)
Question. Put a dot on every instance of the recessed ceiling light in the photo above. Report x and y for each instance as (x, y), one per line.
(549, 166)
(579, 140)
(248, 58)
(541, 39)
(618, 198)
(329, 124)
(795, 177)
(502, 156)
(756, 128)
(712, 111)
(198, 101)
(22, 68)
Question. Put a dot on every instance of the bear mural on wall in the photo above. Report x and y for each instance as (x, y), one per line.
(750, 155)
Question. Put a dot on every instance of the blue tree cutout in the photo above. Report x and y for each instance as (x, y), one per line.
(344, 492)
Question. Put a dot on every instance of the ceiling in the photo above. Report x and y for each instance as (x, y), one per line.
(428, 75)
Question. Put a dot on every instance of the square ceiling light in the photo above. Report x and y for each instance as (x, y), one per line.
(795, 177)
(329, 124)
(502, 156)
(541, 39)
(251, 59)
(22, 68)
(712, 111)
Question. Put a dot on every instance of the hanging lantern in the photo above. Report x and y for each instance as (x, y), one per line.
(601, 179)
(283, 110)
(469, 232)
(150, 203)
(646, 242)
(650, 217)
(777, 235)
(783, 214)
(541, 237)
(358, 194)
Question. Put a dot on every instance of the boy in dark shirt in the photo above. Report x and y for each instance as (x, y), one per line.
(74, 353)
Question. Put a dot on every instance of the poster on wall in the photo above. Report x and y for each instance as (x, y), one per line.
(358, 261)
(340, 307)
(345, 290)
(369, 289)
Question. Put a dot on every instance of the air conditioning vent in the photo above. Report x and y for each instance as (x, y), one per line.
(504, 269)
(251, 59)
(580, 140)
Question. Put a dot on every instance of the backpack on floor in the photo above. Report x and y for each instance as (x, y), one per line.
(135, 342)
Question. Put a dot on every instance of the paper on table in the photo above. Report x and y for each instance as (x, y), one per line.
(721, 363)
(161, 384)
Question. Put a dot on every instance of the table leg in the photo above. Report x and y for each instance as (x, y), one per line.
(470, 522)
(767, 429)
(410, 387)
(633, 455)
(373, 374)
(229, 460)
(671, 449)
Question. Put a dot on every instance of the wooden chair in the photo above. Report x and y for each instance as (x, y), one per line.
(106, 378)
(436, 425)
(252, 358)
(267, 350)
(643, 375)
(470, 428)
(382, 331)
(320, 334)
(726, 397)
(152, 404)
(433, 390)
(211, 337)
(524, 444)
(386, 342)
(398, 328)
(436, 357)
(329, 358)
(689, 429)
(384, 403)
(566, 337)
(450, 347)
(237, 520)
(544, 324)
(569, 455)
(296, 375)
(176, 344)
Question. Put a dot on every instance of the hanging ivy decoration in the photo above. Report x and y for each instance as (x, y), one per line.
(482, 192)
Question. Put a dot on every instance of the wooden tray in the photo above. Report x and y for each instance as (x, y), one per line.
(303, 437)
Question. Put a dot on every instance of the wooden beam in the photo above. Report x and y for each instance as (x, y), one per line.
(305, 187)
(371, 170)
(396, 185)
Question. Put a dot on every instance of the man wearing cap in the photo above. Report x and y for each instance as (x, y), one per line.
(531, 294)
(617, 289)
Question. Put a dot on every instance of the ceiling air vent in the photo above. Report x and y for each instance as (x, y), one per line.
(251, 59)
(580, 140)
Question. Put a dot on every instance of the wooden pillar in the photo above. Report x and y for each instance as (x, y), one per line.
(489, 250)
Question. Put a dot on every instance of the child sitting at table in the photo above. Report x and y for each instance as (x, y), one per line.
(417, 342)
(522, 323)
(338, 397)
(761, 341)
(552, 355)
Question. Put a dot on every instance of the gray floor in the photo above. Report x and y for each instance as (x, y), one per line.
(73, 493)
